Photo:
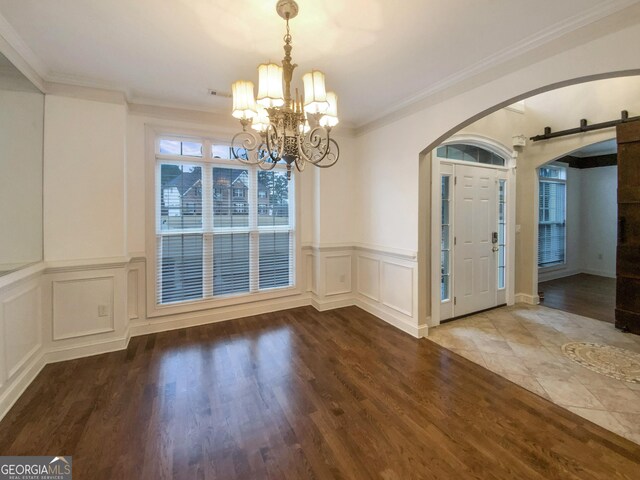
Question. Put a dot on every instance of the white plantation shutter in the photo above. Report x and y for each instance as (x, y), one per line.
(274, 259)
(231, 263)
(180, 266)
(275, 241)
(222, 228)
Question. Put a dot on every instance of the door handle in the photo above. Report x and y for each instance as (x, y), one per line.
(494, 249)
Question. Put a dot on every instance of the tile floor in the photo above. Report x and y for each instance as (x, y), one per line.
(522, 343)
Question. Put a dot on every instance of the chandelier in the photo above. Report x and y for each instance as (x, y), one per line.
(282, 128)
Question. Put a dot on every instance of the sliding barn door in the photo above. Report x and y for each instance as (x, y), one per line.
(628, 254)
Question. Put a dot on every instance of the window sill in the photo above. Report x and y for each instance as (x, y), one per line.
(156, 310)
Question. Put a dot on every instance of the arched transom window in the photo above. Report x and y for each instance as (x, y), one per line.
(470, 153)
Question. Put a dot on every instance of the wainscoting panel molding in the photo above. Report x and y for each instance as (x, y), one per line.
(368, 269)
(337, 274)
(309, 262)
(22, 328)
(387, 287)
(396, 290)
(132, 294)
(83, 307)
(21, 337)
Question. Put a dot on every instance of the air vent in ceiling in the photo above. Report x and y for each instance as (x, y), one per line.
(218, 93)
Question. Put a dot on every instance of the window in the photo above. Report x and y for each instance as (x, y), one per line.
(183, 148)
(469, 153)
(213, 239)
(502, 230)
(445, 247)
(552, 216)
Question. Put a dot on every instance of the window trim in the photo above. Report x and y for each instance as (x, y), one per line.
(558, 265)
(152, 135)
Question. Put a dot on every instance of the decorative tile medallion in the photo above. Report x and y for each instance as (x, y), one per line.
(607, 360)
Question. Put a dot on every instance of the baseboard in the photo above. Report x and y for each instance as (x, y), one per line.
(555, 274)
(62, 354)
(599, 273)
(16, 388)
(324, 305)
(417, 331)
(204, 317)
(528, 299)
(423, 331)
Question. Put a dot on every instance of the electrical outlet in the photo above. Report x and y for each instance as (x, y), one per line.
(103, 310)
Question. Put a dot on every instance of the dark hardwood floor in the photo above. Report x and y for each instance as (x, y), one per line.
(587, 295)
(302, 395)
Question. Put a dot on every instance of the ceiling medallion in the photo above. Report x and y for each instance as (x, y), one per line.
(282, 128)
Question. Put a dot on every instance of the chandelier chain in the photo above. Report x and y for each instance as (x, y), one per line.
(287, 36)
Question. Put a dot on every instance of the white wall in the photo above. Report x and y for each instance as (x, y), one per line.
(84, 179)
(389, 150)
(599, 215)
(388, 199)
(21, 126)
(573, 254)
(75, 303)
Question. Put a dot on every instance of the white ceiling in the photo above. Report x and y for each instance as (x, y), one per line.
(376, 54)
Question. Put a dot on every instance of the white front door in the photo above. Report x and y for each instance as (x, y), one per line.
(475, 254)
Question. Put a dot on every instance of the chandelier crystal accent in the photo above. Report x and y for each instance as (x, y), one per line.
(278, 127)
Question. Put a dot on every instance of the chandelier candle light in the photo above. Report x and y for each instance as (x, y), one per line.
(295, 130)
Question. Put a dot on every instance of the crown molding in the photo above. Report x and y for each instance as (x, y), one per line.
(86, 93)
(85, 82)
(192, 107)
(21, 55)
(553, 32)
(150, 107)
(23, 58)
(188, 115)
